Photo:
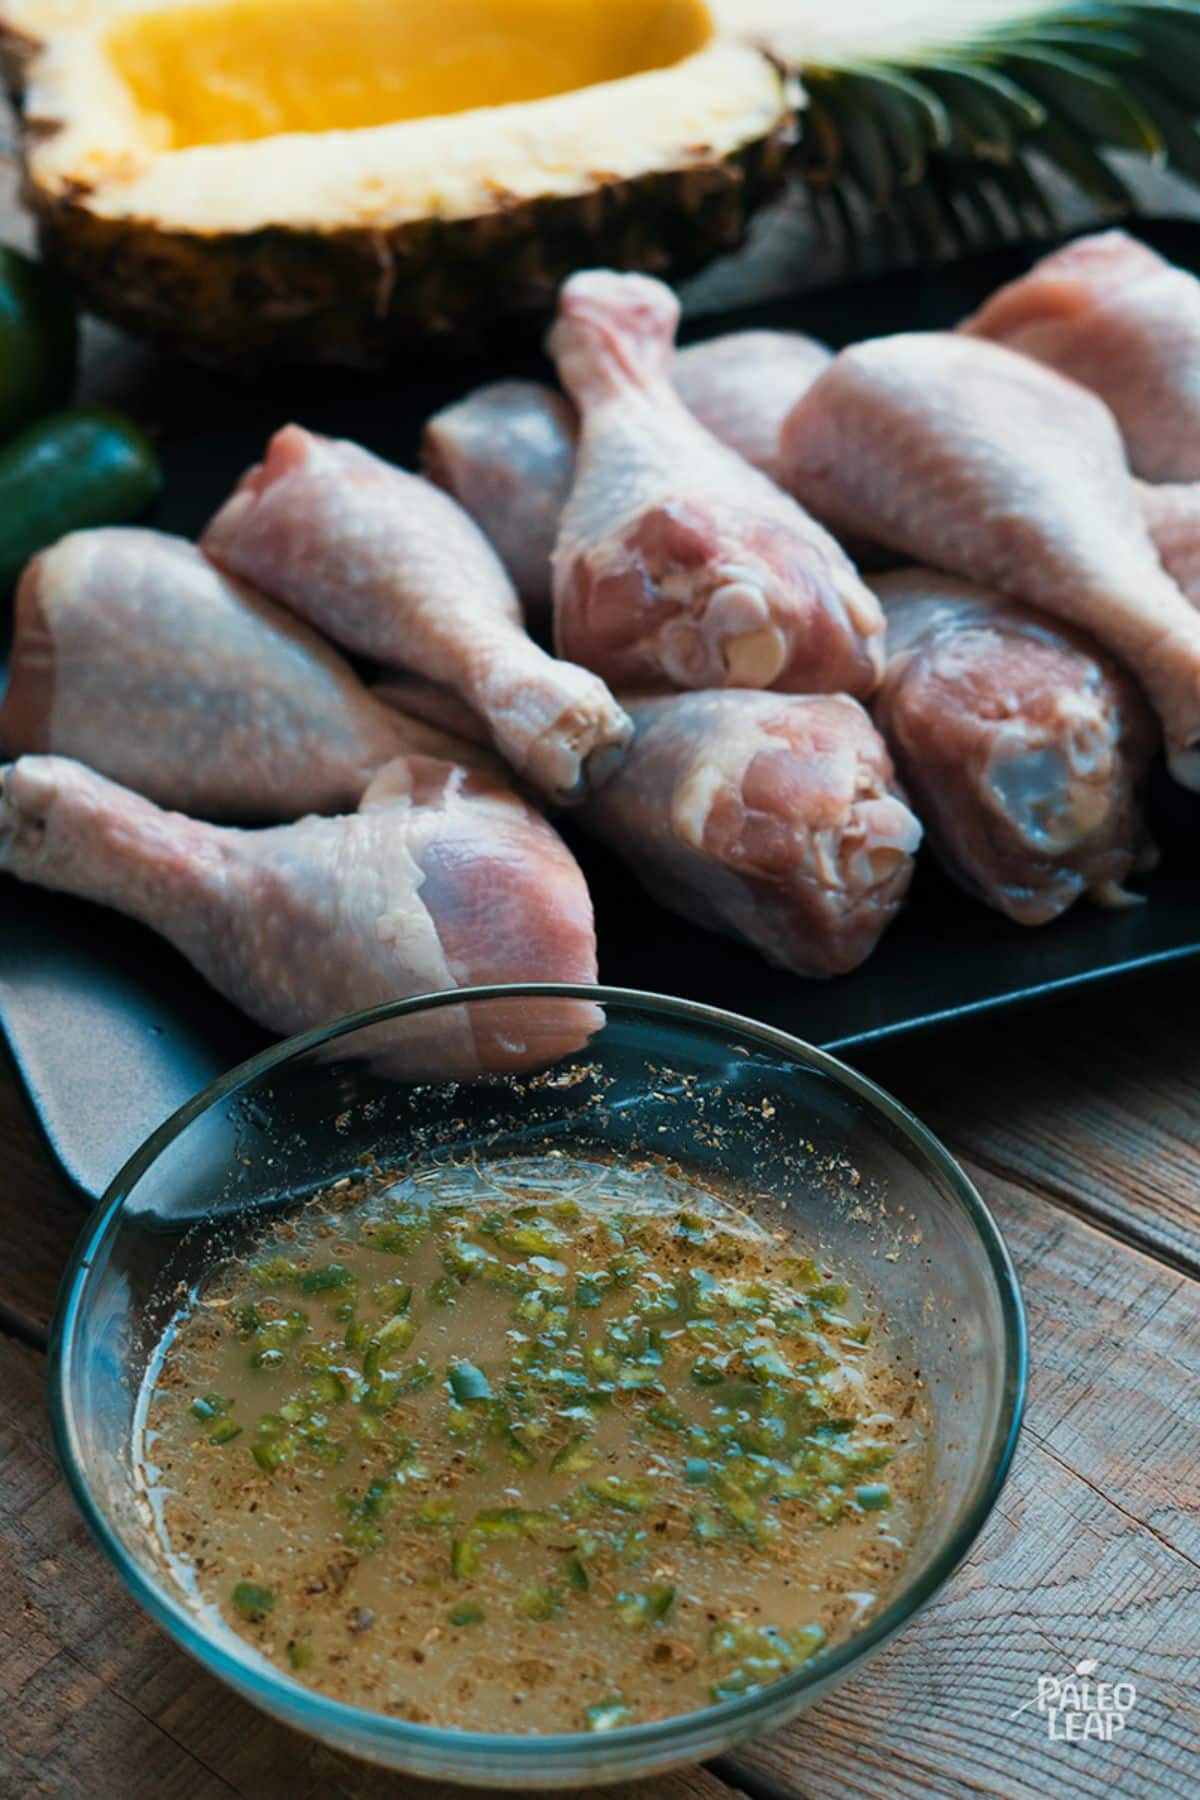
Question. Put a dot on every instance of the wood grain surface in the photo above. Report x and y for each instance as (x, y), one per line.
(1094, 1550)
(1081, 1124)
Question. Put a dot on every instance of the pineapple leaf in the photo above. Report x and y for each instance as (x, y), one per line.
(1071, 151)
(903, 84)
(1111, 50)
(960, 123)
(1081, 96)
(929, 219)
(975, 209)
(1172, 57)
(1028, 197)
(985, 124)
(865, 154)
(1176, 128)
(911, 114)
(965, 84)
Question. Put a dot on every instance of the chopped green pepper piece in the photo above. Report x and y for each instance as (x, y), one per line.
(275, 1271)
(251, 1600)
(872, 1496)
(577, 1575)
(274, 1336)
(539, 1603)
(462, 1258)
(433, 1515)
(358, 1335)
(531, 1239)
(272, 1453)
(300, 1655)
(396, 1237)
(669, 1417)
(632, 1495)
(333, 1277)
(224, 1432)
(733, 1686)
(574, 1456)
(766, 1652)
(467, 1383)
(327, 1388)
(466, 1614)
(392, 1296)
(464, 1556)
(660, 1302)
(210, 1406)
(519, 1453)
(706, 1529)
(606, 1715)
(392, 1337)
(638, 1610)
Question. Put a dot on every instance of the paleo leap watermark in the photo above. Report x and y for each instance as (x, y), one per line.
(1077, 1709)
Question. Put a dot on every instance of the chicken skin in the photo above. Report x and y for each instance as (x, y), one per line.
(391, 568)
(970, 458)
(507, 451)
(1117, 317)
(678, 564)
(442, 879)
(507, 454)
(133, 654)
(1023, 747)
(742, 386)
(773, 818)
(1172, 514)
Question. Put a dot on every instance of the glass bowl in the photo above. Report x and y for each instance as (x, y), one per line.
(719, 1094)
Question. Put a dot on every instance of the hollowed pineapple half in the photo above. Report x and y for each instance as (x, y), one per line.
(252, 180)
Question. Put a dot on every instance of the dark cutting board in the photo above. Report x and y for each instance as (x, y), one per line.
(111, 1031)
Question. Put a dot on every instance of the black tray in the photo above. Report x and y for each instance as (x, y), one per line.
(111, 1031)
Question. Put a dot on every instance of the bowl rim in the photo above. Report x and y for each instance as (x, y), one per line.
(255, 1677)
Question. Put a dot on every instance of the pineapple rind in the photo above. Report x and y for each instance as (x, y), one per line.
(349, 246)
(360, 298)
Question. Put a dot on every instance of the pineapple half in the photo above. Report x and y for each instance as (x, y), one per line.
(327, 180)
(252, 180)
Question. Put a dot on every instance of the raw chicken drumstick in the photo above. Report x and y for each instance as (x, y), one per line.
(132, 653)
(1022, 746)
(971, 458)
(1117, 317)
(507, 454)
(391, 568)
(507, 451)
(1172, 514)
(451, 881)
(677, 564)
(774, 818)
(742, 385)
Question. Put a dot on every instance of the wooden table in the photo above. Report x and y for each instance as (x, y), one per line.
(1080, 1121)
